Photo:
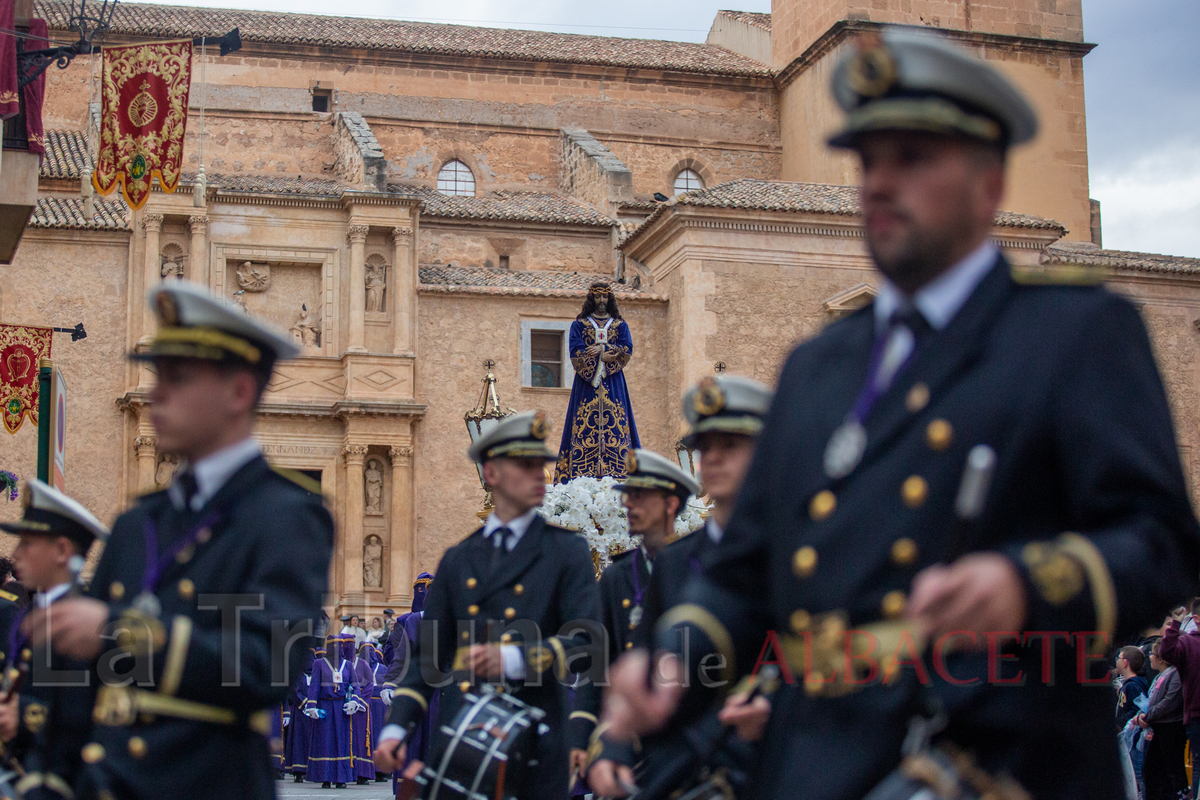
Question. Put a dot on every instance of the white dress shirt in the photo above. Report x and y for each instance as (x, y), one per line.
(714, 530)
(938, 301)
(513, 658)
(214, 471)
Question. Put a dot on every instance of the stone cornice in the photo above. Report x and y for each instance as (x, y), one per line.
(530, 291)
(378, 408)
(841, 30)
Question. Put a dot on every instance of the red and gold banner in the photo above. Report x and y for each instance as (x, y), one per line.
(143, 118)
(21, 350)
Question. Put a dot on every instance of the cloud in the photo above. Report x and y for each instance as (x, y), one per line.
(1152, 202)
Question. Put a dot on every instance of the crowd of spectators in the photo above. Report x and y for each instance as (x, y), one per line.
(1158, 706)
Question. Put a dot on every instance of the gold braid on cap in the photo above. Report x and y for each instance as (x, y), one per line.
(631, 463)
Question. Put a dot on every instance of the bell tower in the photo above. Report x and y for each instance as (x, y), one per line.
(1038, 44)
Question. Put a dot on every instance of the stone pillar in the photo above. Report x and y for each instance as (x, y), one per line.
(404, 297)
(147, 457)
(198, 256)
(402, 543)
(352, 533)
(357, 235)
(152, 223)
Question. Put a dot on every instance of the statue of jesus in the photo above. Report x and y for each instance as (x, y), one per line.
(599, 431)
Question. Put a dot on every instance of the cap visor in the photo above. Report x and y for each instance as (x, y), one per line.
(743, 425)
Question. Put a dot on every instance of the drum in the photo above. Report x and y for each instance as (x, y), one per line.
(486, 750)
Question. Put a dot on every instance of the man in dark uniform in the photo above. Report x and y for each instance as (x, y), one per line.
(656, 491)
(51, 712)
(724, 414)
(956, 486)
(515, 570)
(202, 582)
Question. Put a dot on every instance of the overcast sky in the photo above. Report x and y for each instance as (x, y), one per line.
(1143, 95)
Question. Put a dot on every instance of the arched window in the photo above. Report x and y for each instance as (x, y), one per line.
(688, 180)
(456, 180)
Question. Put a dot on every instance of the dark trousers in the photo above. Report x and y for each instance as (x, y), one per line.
(1193, 737)
(1163, 768)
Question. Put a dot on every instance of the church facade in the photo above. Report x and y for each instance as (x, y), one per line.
(414, 200)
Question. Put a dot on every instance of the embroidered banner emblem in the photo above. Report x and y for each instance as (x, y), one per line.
(144, 118)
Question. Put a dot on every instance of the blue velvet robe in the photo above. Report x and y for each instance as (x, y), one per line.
(599, 430)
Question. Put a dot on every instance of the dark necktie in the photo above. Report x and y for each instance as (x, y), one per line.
(499, 546)
(187, 484)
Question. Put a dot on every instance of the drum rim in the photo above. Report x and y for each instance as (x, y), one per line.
(519, 716)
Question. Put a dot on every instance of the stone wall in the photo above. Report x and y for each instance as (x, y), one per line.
(797, 24)
(465, 329)
(592, 173)
(358, 158)
(60, 278)
(526, 248)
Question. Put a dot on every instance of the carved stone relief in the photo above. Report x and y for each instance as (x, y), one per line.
(373, 562)
(164, 473)
(307, 330)
(254, 277)
(173, 261)
(373, 488)
(376, 282)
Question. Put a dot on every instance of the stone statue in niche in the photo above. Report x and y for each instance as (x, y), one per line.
(164, 473)
(307, 331)
(373, 488)
(254, 277)
(373, 562)
(173, 260)
(376, 283)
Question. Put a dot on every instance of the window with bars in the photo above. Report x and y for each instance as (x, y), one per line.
(546, 358)
(456, 179)
(688, 180)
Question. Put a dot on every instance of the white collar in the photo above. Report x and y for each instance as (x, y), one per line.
(214, 471)
(940, 299)
(608, 321)
(516, 527)
(44, 599)
(713, 529)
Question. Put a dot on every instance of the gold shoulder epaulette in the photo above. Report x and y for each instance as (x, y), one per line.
(1058, 275)
(9, 596)
(299, 478)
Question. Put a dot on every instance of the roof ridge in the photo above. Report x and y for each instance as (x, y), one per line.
(150, 19)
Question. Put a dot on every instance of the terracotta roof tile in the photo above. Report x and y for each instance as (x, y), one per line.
(272, 184)
(813, 198)
(1088, 255)
(754, 18)
(511, 206)
(67, 212)
(481, 280)
(158, 21)
(66, 154)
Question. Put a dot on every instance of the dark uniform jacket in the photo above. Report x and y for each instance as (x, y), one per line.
(55, 720)
(268, 549)
(1087, 501)
(618, 599)
(548, 580)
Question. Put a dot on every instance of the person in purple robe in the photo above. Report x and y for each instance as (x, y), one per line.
(599, 430)
(330, 760)
(378, 709)
(299, 730)
(404, 640)
(358, 705)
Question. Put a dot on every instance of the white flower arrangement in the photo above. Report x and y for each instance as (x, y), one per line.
(592, 508)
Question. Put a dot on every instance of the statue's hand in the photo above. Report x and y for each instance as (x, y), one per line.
(609, 357)
(595, 349)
